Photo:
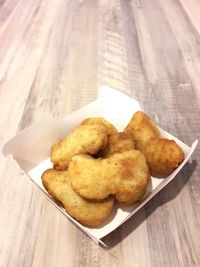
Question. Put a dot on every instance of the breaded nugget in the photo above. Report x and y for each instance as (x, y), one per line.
(101, 121)
(84, 139)
(163, 156)
(124, 175)
(141, 128)
(117, 143)
(58, 185)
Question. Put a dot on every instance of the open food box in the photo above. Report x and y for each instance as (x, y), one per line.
(31, 150)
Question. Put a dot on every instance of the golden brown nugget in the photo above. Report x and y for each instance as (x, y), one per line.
(124, 175)
(163, 156)
(141, 128)
(58, 185)
(118, 143)
(83, 139)
(101, 121)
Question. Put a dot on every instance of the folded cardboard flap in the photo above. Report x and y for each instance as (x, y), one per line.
(34, 143)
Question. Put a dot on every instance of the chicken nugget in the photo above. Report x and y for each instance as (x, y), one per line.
(83, 139)
(163, 156)
(141, 128)
(89, 213)
(101, 121)
(124, 175)
(117, 143)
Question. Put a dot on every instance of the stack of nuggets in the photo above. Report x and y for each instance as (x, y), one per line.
(96, 165)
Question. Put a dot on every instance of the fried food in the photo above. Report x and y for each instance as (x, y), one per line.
(84, 139)
(163, 155)
(141, 128)
(117, 143)
(111, 130)
(89, 213)
(124, 175)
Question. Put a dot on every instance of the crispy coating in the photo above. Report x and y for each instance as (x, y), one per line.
(117, 143)
(141, 128)
(124, 175)
(84, 139)
(163, 155)
(111, 130)
(89, 213)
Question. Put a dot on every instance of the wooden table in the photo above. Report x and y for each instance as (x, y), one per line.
(54, 56)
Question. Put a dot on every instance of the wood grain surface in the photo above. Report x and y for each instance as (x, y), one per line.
(54, 56)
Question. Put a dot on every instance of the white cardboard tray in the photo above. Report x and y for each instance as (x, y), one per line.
(31, 149)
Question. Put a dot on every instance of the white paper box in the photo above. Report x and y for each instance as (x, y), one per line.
(31, 150)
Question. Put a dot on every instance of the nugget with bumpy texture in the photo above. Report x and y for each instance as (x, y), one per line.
(124, 175)
(141, 128)
(101, 121)
(84, 139)
(117, 143)
(89, 213)
(163, 155)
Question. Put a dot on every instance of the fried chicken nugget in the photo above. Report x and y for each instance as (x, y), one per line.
(163, 155)
(141, 128)
(117, 143)
(111, 130)
(58, 185)
(84, 139)
(124, 175)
